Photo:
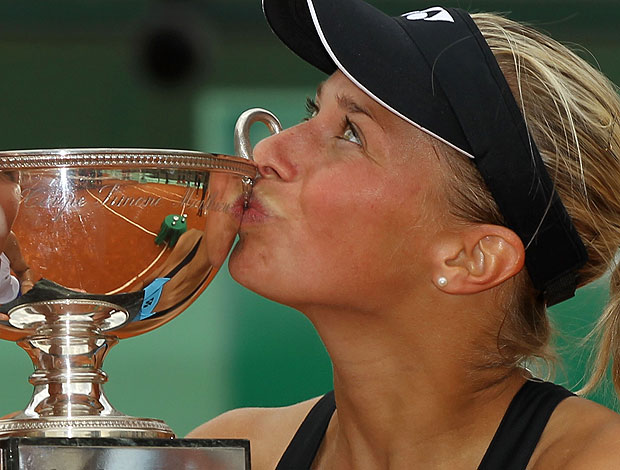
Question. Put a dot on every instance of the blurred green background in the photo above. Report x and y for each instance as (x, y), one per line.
(176, 74)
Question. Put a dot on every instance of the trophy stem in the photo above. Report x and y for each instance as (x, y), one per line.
(67, 349)
(68, 380)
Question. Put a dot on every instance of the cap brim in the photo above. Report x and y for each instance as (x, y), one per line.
(374, 51)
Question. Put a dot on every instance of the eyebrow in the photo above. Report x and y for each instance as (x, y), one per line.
(348, 103)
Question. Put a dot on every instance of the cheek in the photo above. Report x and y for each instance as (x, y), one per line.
(360, 212)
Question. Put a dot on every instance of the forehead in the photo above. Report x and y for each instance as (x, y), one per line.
(339, 88)
(338, 84)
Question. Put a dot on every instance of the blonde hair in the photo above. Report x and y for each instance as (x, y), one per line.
(572, 113)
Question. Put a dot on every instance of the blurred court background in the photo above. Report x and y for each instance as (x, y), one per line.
(176, 74)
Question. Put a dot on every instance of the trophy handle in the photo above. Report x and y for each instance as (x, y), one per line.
(243, 147)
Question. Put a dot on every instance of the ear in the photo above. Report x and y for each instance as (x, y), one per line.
(478, 258)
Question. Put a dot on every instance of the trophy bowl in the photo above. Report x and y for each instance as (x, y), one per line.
(101, 245)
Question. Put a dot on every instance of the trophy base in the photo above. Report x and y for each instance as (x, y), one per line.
(123, 454)
(85, 427)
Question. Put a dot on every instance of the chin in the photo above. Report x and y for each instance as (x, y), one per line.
(238, 271)
(250, 270)
(246, 268)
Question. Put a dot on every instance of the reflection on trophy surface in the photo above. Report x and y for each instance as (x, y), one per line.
(100, 245)
(11, 258)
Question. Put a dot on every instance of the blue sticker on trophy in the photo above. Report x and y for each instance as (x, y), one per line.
(152, 293)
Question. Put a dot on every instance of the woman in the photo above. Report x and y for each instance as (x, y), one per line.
(412, 219)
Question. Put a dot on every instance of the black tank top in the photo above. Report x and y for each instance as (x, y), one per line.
(511, 447)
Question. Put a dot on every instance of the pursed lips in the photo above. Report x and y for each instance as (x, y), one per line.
(255, 211)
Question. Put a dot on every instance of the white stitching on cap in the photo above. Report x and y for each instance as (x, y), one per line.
(319, 31)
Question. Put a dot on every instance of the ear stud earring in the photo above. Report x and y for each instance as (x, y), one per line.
(442, 282)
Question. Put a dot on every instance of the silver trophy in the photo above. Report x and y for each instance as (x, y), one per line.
(109, 244)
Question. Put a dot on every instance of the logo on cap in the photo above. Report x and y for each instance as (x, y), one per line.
(430, 14)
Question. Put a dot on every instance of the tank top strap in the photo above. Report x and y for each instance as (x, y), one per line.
(511, 448)
(522, 425)
(302, 449)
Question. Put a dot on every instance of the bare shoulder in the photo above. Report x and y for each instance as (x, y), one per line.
(268, 429)
(581, 435)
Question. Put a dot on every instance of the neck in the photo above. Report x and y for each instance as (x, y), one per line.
(410, 394)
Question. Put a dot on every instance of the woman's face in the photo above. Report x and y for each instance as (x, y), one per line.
(346, 208)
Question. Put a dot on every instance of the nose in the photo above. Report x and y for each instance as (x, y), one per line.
(276, 155)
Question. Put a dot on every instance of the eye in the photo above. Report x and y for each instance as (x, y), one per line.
(312, 109)
(351, 133)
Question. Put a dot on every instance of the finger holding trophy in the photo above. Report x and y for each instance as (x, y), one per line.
(114, 243)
